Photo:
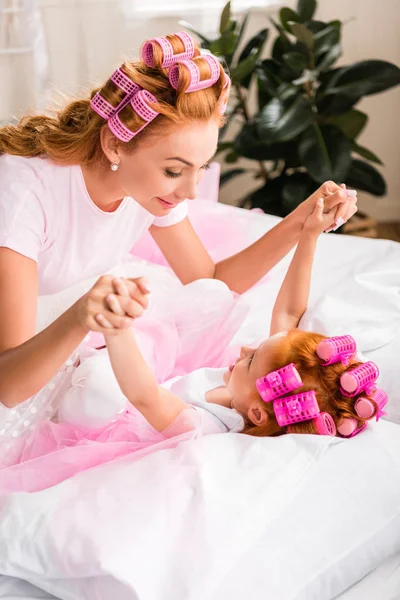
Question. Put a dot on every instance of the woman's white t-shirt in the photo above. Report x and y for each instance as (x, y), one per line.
(47, 215)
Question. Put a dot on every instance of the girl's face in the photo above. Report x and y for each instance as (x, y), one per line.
(241, 379)
(166, 170)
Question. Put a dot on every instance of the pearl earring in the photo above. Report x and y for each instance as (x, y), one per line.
(114, 166)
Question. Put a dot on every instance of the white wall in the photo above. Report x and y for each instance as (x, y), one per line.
(87, 38)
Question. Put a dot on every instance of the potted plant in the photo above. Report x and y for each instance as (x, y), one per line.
(306, 124)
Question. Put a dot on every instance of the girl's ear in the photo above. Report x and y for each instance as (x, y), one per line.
(256, 414)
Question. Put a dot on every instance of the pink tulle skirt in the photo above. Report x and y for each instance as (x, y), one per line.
(57, 451)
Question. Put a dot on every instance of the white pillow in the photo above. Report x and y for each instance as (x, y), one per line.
(227, 516)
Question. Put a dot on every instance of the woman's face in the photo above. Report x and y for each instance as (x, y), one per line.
(166, 170)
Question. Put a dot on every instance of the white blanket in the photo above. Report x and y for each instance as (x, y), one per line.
(228, 516)
(299, 517)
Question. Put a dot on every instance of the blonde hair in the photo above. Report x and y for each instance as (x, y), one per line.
(72, 136)
(299, 347)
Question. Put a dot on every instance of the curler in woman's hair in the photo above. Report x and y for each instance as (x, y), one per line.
(196, 83)
(169, 57)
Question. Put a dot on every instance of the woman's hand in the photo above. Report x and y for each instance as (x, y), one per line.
(332, 195)
(128, 297)
(93, 310)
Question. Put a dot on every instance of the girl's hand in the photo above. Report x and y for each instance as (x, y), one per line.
(319, 220)
(332, 195)
(129, 297)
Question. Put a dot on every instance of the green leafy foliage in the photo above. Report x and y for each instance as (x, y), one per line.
(306, 125)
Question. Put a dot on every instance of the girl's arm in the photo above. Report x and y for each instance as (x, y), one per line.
(190, 261)
(159, 406)
(292, 299)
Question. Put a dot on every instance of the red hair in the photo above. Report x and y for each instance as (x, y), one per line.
(299, 347)
(73, 135)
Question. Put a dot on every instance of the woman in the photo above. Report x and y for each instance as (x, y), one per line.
(78, 191)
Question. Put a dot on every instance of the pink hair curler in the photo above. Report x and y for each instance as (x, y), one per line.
(333, 350)
(104, 108)
(359, 379)
(169, 58)
(381, 398)
(347, 427)
(278, 383)
(364, 408)
(325, 425)
(297, 408)
(195, 83)
(139, 103)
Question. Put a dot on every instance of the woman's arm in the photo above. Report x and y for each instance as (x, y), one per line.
(159, 406)
(190, 261)
(292, 299)
(28, 361)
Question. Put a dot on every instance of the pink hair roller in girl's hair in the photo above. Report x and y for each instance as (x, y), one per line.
(359, 379)
(297, 408)
(325, 425)
(333, 350)
(381, 399)
(278, 383)
(348, 428)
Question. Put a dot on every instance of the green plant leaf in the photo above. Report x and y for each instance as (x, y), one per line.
(286, 91)
(281, 121)
(206, 42)
(242, 29)
(365, 153)
(335, 104)
(249, 145)
(325, 152)
(225, 17)
(255, 43)
(316, 26)
(325, 39)
(351, 123)
(244, 68)
(230, 174)
(363, 176)
(296, 188)
(306, 9)
(222, 146)
(231, 157)
(286, 15)
(295, 60)
(227, 44)
(303, 34)
(268, 197)
(325, 61)
(364, 78)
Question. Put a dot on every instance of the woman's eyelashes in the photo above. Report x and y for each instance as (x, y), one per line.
(174, 175)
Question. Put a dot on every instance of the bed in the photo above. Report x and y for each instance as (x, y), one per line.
(230, 516)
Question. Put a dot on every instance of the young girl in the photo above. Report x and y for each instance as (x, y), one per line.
(292, 382)
(78, 190)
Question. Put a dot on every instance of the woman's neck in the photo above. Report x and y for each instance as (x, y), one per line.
(102, 187)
